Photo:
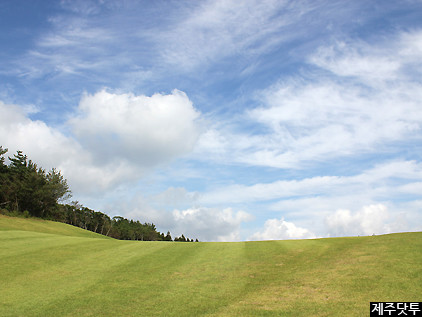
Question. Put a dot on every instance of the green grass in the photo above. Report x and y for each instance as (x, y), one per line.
(44, 226)
(52, 269)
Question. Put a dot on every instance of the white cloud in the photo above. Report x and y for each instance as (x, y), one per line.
(217, 29)
(337, 110)
(117, 137)
(144, 130)
(275, 229)
(84, 7)
(34, 137)
(379, 182)
(210, 224)
(212, 142)
(49, 148)
(81, 41)
(203, 223)
(372, 219)
(275, 190)
(175, 196)
(325, 119)
(213, 31)
(363, 61)
(308, 201)
(373, 64)
(72, 46)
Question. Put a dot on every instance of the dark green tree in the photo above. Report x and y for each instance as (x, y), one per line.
(26, 188)
(4, 188)
(168, 237)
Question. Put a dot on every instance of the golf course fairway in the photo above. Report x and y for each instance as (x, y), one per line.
(54, 269)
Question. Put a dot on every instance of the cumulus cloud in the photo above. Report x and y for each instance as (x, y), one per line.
(116, 137)
(210, 224)
(279, 229)
(144, 130)
(308, 201)
(49, 147)
(372, 219)
(204, 223)
(38, 140)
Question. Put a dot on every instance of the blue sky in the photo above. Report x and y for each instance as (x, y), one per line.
(223, 120)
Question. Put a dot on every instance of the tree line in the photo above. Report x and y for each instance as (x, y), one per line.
(31, 191)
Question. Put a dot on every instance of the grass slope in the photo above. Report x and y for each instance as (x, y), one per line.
(45, 226)
(52, 273)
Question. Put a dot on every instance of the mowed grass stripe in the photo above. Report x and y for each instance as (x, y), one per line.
(328, 277)
(56, 275)
(180, 272)
(16, 243)
(63, 271)
(179, 280)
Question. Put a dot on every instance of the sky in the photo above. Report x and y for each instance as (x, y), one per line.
(223, 120)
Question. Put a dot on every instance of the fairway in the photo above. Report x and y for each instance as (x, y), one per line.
(53, 269)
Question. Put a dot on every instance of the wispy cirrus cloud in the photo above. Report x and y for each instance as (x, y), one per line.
(213, 31)
(379, 182)
(353, 100)
(89, 36)
(81, 43)
(218, 29)
(374, 65)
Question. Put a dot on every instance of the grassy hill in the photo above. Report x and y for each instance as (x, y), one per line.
(53, 269)
(44, 226)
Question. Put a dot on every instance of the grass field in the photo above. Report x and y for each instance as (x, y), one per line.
(53, 269)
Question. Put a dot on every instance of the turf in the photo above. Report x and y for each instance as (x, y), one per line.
(52, 269)
(44, 226)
